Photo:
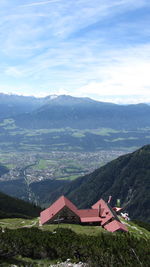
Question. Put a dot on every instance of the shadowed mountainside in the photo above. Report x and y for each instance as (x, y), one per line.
(12, 208)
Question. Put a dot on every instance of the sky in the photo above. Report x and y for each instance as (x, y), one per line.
(98, 49)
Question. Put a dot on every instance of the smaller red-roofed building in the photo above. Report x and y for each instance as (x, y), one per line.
(115, 226)
(64, 211)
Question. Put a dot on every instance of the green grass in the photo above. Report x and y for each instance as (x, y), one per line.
(104, 131)
(122, 139)
(100, 131)
(15, 223)
(10, 166)
(42, 131)
(19, 223)
(136, 230)
(21, 261)
(78, 135)
(69, 169)
(6, 122)
(28, 137)
(71, 177)
(79, 229)
(42, 164)
(95, 230)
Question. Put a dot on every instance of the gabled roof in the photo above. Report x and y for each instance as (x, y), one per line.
(89, 215)
(99, 203)
(115, 226)
(105, 211)
(58, 205)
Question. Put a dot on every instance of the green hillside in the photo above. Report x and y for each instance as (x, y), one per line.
(25, 245)
(13, 207)
(126, 178)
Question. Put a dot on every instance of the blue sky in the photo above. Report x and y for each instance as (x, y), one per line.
(99, 49)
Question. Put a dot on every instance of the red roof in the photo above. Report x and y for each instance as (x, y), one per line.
(50, 212)
(90, 219)
(102, 206)
(115, 226)
(104, 211)
(101, 212)
(89, 215)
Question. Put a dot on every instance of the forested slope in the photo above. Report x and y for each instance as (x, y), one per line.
(13, 207)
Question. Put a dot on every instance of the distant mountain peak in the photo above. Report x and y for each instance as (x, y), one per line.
(51, 97)
(68, 99)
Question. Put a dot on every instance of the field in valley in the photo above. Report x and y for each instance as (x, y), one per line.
(13, 138)
(33, 166)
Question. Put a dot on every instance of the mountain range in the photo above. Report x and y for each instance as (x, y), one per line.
(84, 113)
(69, 123)
(11, 105)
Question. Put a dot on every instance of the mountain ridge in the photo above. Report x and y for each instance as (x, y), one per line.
(84, 113)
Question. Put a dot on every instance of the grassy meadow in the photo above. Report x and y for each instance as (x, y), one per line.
(25, 243)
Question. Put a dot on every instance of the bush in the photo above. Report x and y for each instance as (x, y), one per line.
(106, 249)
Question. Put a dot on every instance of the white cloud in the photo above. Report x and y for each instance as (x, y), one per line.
(125, 76)
(62, 91)
(123, 80)
(40, 3)
(13, 71)
(117, 99)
